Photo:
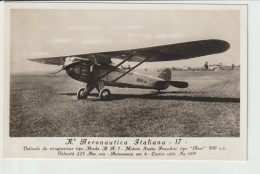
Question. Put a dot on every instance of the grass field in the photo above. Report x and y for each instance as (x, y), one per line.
(46, 106)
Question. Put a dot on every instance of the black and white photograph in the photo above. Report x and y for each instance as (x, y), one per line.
(127, 72)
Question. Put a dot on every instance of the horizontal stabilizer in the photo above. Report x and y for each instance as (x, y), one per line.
(178, 84)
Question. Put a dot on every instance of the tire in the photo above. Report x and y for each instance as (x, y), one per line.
(104, 94)
(80, 94)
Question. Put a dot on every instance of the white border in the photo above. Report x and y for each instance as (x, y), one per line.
(235, 146)
(1, 82)
(116, 166)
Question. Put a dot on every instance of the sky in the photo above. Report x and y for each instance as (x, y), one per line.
(47, 33)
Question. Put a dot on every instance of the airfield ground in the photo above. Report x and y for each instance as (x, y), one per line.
(46, 106)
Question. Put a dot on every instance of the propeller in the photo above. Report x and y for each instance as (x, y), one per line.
(65, 67)
(57, 71)
(72, 61)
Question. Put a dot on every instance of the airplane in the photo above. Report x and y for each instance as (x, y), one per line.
(97, 69)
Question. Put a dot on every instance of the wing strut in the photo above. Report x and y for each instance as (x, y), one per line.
(131, 69)
(112, 69)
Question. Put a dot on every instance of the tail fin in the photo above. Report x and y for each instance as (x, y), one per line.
(166, 74)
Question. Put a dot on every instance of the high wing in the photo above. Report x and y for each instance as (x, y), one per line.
(173, 51)
(51, 60)
(169, 52)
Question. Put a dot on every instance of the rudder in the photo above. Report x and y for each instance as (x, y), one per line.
(166, 74)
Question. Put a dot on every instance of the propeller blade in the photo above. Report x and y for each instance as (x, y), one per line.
(66, 67)
(57, 71)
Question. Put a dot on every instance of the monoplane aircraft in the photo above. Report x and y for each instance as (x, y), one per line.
(97, 70)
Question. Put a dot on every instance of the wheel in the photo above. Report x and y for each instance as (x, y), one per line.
(104, 94)
(81, 94)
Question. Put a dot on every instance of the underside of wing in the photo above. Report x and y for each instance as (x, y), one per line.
(169, 52)
(82, 57)
(172, 52)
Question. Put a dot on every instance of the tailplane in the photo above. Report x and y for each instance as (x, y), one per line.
(166, 76)
(177, 84)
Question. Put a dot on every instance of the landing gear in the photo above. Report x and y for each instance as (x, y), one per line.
(104, 94)
(84, 92)
(80, 93)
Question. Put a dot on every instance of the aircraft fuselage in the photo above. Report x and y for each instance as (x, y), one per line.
(86, 73)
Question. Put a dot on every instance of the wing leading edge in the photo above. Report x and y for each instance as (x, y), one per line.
(51, 60)
(169, 52)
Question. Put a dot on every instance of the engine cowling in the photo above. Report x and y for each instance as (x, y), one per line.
(80, 71)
